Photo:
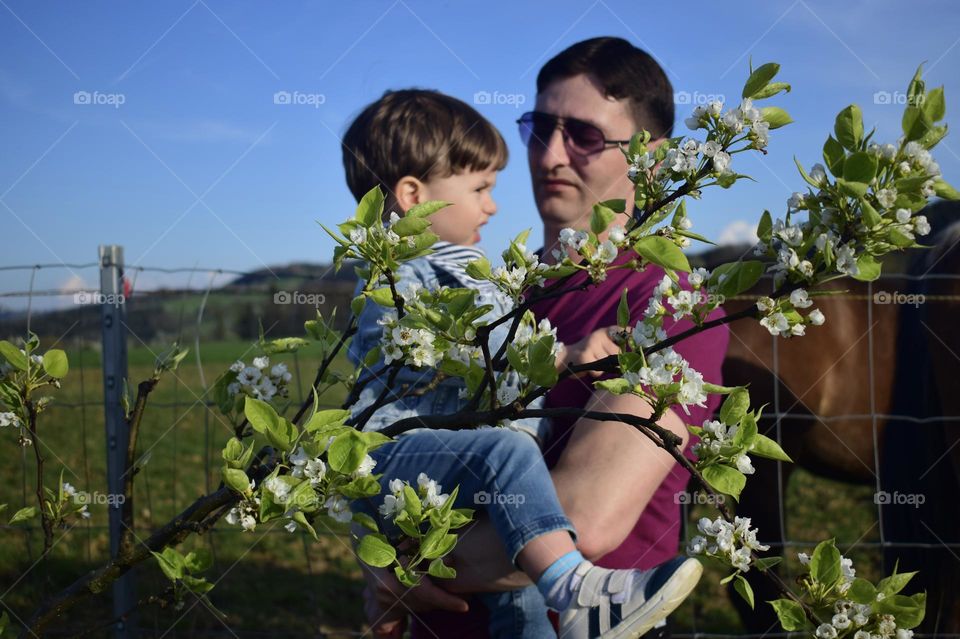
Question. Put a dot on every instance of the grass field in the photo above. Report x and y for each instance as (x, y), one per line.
(269, 581)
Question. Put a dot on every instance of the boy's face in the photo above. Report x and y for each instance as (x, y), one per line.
(471, 198)
(567, 185)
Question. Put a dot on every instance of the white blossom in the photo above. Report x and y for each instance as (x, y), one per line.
(887, 197)
(338, 508)
(358, 235)
(800, 299)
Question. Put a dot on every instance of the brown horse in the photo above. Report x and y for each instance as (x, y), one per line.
(830, 395)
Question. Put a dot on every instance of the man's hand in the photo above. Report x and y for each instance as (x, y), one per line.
(387, 601)
(594, 346)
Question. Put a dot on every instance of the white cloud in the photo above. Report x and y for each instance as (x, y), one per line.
(738, 232)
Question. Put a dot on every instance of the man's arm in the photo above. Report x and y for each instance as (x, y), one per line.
(609, 471)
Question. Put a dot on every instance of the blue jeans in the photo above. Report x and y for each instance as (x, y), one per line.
(501, 471)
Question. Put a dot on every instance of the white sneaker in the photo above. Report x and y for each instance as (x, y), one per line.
(601, 609)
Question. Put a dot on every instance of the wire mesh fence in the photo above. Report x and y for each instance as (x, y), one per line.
(273, 583)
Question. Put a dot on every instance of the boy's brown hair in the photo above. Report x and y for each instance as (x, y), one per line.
(421, 133)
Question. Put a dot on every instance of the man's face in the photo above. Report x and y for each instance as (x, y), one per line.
(566, 185)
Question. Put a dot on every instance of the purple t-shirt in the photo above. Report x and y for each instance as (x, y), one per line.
(656, 536)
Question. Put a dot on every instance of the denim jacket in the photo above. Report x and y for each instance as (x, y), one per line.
(445, 398)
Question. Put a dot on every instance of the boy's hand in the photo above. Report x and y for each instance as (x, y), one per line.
(594, 346)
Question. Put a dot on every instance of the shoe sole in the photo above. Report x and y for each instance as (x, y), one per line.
(677, 588)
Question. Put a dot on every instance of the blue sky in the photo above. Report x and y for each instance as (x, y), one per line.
(184, 158)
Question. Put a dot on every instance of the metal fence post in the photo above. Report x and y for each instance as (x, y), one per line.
(114, 356)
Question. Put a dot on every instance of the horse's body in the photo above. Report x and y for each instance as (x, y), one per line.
(835, 389)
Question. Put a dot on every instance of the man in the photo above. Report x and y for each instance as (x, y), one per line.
(614, 484)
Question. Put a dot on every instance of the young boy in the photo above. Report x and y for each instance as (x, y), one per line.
(422, 145)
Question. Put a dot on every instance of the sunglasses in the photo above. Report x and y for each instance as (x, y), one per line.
(579, 137)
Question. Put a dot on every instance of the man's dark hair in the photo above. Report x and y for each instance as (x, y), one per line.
(623, 71)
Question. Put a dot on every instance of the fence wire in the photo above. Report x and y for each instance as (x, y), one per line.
(187, 314)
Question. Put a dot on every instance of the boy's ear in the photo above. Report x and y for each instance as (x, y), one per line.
(409, 192)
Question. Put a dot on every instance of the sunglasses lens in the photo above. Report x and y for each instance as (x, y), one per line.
(584, 137)
(536, 128)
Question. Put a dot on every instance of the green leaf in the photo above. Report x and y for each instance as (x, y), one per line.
(747, 433)
(623, 310)
(412, 505)
(870, 216)
(775, 117)
(13, 355)
(834, 156)
(763, 446)
(860, 167)
(233, 450)
(742, 586)
(426, 209)
(374, 550)
(852, 189)
(601, 217)
(790, 614)
(407, 226)
(366, 521)
(478, 269)
(759, 79)
(346, 452)
(771, 90)
(197, 584)
(895, 583)
(825, 563)
(915, 123)
(324, 419)
(944, 190)
(735, 406)
(437, 543)
(765, 227)
(848, 127)
(934, 106)
(617, 386)
(261, 415)
(382, 296)
(868, 268)
(440, 570)
(663, 252)
(198, 560)
(740, 276)
(55, 363)
(370, 208)
(932, 137)
(237, 480)
(724, 479)
(171, 563)
(862, 592)
(22, 515)
(909, 611)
